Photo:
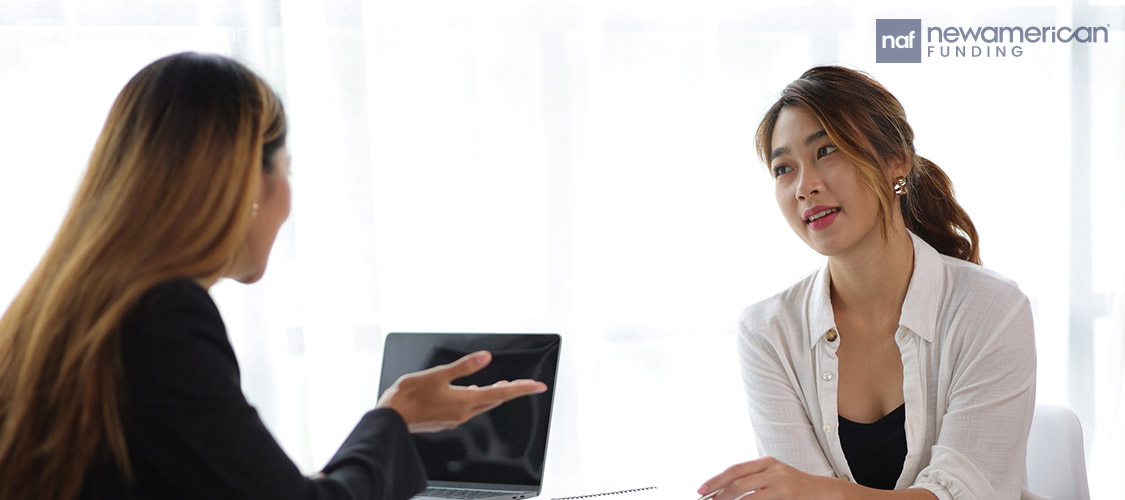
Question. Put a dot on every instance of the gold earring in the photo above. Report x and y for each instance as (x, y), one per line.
(254, 210)
(900, 186)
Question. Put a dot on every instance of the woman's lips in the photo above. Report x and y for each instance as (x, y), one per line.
(819, 217)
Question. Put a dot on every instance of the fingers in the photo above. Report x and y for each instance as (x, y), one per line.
(482, 399)
(479, 400)
(429, 402)
(467, 365)
(483, 408)
(504, 391)
(733, 473)
(740, 488)
(427, 427)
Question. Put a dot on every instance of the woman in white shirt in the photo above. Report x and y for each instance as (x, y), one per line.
(902, 369)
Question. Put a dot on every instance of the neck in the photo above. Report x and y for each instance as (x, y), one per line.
(873, 281)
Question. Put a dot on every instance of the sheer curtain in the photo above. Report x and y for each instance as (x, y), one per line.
(586, 168)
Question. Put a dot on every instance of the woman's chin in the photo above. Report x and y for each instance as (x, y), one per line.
(248, 277)
(826, 246)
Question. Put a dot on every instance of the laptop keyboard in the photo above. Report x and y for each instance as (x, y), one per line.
(465, 494)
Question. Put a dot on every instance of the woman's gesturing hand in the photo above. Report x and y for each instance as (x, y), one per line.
(428, 401)
(771, 479)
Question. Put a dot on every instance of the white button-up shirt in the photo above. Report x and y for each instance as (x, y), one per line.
(968, 364)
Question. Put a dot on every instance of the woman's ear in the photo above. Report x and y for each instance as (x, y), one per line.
(900, 168)
(265, 185)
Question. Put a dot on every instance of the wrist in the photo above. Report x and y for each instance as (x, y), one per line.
(389, 402)
(855, 491)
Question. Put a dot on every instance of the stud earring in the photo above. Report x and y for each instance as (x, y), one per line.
(254, 210)
(900, 186)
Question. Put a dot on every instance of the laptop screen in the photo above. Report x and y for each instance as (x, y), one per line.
(506, 445)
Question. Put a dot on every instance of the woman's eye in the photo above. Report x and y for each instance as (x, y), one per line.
(780, 169)
(825, 151)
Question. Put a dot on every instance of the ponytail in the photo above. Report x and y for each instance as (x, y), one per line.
(932, 213)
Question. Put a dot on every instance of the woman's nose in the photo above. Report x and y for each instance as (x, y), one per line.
(809, 183)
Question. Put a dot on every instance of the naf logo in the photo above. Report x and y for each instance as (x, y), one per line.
(898, 40)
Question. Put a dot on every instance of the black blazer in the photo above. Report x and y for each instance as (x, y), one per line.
(191, 433)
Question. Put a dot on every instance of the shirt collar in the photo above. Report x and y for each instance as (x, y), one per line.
(820, 314)
(923, 295)
(919, 309)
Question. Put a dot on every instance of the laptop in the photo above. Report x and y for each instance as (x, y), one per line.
(497, 455)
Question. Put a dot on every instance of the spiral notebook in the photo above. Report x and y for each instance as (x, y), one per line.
(630, 494)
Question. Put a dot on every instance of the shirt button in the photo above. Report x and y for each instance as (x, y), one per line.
(845, 477)
(945, 483)
(828, 428)
(831, 335)
(827, 376)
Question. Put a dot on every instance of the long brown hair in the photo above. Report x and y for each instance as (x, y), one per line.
(868, 124)
(168, 193)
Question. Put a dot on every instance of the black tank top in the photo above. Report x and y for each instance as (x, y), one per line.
(876, 451)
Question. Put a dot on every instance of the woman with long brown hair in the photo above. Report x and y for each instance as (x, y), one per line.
(117, 379)
(902, 368)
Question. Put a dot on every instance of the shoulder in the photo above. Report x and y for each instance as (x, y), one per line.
(780, 316)
(174, 343)
(956, 283)
(981, 308)
(175, 294)
(973, 285)
(172, 305)
(787, 303)
(174, 313)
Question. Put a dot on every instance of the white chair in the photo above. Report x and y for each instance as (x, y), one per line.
(1056, 462)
